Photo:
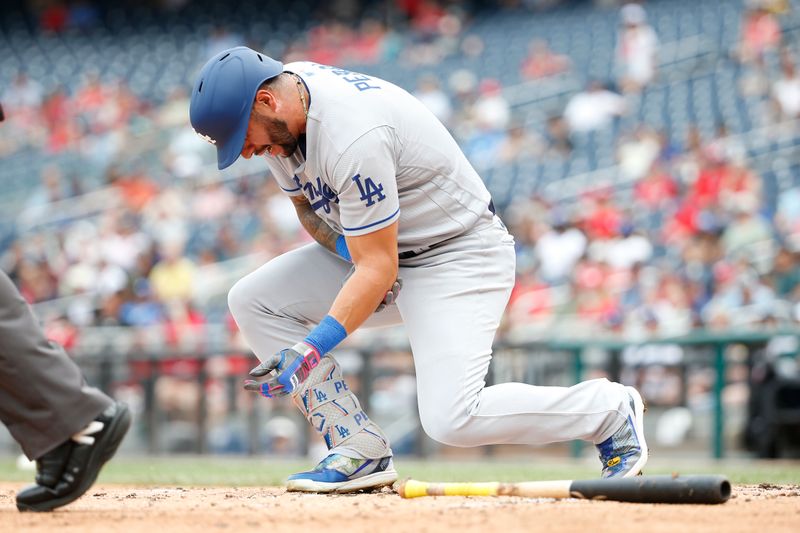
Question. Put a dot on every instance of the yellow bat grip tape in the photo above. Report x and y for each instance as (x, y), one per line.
(414, 489)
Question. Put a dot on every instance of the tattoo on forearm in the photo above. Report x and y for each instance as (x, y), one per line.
(314, 225)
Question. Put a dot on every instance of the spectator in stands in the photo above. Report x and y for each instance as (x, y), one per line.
(531, 300)
(520, 144)
(110, 280)
(748, 233)
(559, 145)
(786, 274)
(669, 149)
(429, 92)
(542, 62)
(671, 307)
(141, 308)
(724, 146)
(558, 250)
(463, 86)
(23, 94)
(121, 240)
(213, 201)
(739, 186)
(53, 187)
(602, 219)
(631, 247)
(166, 217)
(491, 115)
(761, 34)
(787, 216)
(37, 282)
(741, 298)
(83, 15)
(657, 190)
(59, 119)
(91, 97)
(786, 91)
(54, 17)
(173, 112)
(173, 277)
(492, 110)
(424, 16)
(367, 46)
(637, 153)
(593, 109)
(637, 49)
(135, 188)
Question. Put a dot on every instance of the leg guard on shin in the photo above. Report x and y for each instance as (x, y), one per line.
(334, 411)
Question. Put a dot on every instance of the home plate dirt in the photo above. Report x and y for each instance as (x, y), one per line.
(765, 507)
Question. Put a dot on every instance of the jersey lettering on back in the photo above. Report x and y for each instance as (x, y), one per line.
(359, 81)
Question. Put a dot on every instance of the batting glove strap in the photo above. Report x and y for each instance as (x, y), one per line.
(299, 361)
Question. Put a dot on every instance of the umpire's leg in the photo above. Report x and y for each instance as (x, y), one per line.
(44, 398)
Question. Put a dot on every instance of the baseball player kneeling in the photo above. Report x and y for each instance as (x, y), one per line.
(386, 193)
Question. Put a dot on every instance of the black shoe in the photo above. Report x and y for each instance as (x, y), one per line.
(65, 473)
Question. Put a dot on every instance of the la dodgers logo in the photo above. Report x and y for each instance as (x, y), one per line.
(369, 190)
(319, 194)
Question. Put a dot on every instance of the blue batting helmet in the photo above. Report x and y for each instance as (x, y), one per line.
(223, 97)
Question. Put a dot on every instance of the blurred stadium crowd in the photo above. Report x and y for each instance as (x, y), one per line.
(645, 156)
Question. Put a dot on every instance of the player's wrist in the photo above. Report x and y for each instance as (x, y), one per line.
(326, 336)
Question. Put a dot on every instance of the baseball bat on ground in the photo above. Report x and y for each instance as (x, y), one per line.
(640, 489)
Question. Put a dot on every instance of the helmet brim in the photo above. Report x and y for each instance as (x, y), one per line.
(229, 151)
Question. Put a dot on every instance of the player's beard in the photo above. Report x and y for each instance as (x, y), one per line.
(279, 133)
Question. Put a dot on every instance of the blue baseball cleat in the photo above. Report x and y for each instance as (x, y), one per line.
(337, 473)
(624, 453)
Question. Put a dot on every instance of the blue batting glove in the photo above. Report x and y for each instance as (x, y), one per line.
(287, 369)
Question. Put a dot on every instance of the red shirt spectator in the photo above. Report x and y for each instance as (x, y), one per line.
(530, 299)
(604, 220)
(760, 33)
(655, 189)
(136, 189)
(707, 187)
(187, 328)
(54, 18)
(542, 62)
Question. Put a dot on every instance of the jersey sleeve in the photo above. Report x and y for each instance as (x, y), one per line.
(365, 177)
(284, 179)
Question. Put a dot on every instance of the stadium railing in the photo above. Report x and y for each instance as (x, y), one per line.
(121, 360)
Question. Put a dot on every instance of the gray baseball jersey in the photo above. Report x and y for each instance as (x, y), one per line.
(374, 154)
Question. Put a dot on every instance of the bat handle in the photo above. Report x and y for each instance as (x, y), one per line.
(412, 488)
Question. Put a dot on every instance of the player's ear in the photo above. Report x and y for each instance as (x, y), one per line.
(265, 97)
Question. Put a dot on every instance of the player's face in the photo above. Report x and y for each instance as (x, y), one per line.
(268, 136)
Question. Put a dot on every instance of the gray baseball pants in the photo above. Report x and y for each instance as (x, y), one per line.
(451, 304)
(44, 398)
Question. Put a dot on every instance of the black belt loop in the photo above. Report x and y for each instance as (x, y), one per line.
(414, 253)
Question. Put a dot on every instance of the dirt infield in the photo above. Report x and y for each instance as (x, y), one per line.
(104, 508)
